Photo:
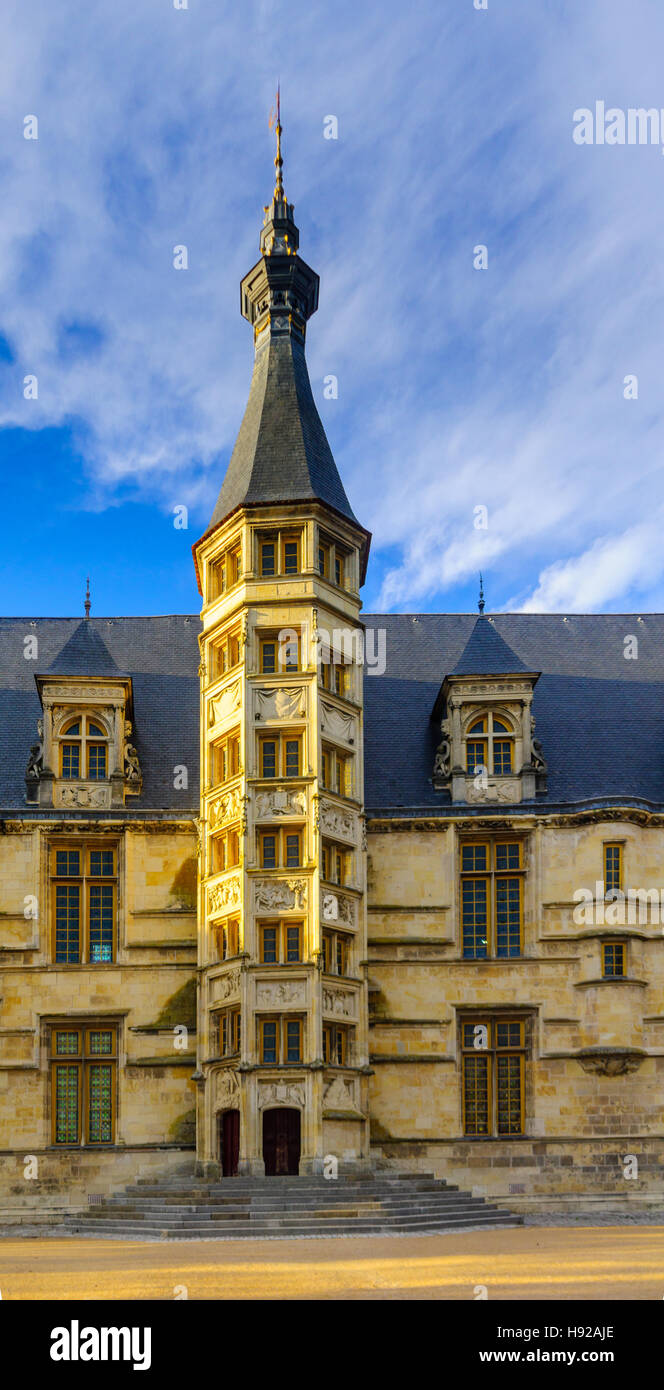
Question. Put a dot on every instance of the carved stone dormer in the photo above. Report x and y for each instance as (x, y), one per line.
(487, 754)
(85, 759)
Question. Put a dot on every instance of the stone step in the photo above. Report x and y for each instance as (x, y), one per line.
(368, 1210)
(276, 1204)
(239, 1208)
(286, 1230)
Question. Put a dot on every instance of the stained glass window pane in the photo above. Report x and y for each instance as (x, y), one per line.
(66, 1044)
(508, 1100)
(66, 1104)
(476, 1094)
(100, 1103)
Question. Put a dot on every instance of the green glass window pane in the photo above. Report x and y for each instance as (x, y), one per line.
(66, 1104)
(101, 1042)
(100, 1104)
(66, 1044)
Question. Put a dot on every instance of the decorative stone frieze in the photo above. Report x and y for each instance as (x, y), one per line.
(288, 703)
(277, 895)
(224, 895)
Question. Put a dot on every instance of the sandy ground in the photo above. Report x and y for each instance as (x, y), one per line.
(519, 1263)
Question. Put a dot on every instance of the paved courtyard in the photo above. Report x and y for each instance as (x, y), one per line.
(529, 1262)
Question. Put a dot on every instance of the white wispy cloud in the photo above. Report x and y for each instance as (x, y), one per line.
(456, 387)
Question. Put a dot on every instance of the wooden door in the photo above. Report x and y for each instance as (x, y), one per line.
(229, 1142)
(281, 1142)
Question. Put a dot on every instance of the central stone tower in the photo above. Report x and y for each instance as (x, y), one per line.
(283, 1050)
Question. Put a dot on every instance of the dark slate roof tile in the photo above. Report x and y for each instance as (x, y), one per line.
(281, 453)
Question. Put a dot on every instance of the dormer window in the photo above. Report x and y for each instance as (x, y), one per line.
(84, 751)
(490, 744)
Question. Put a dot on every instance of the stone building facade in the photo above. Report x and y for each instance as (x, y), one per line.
(290, 886)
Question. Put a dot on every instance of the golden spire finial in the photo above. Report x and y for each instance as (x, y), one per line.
(275, 120)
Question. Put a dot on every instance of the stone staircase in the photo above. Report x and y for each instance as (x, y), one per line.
(241, 1208)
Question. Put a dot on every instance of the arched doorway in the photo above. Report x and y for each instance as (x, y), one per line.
(281, 1142)
(229, 1142)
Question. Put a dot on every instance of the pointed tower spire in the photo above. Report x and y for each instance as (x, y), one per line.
(275, 120)
(87, 598)
(281, 454)
(480, 605)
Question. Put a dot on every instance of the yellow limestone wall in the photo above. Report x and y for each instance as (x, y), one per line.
(149, 990)
(580, 1124)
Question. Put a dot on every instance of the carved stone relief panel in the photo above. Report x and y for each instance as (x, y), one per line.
(225, 986)
(277, 994)
(336, 821)
(224, 895)
(337, 908)
(337, 724)
(341, 1094)
(226, 1090)
(225, 705)
(290, 703)
(339, 1003)
(93, 797)
(225, 808)
(280, 802)
(503, 792)
(272, 1093)
(272, 895)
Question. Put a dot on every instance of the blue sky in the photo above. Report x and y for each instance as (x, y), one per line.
(457, 388)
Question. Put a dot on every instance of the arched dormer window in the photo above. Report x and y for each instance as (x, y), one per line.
(84, 750)
(490, 744)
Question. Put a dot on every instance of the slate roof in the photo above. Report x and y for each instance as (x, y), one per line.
(162, 657)
(281, 453)
(84, 654)
(600, 717)
(486, 653)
